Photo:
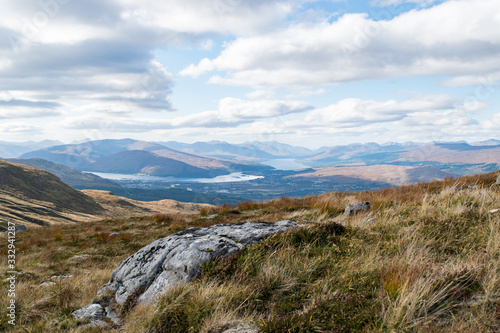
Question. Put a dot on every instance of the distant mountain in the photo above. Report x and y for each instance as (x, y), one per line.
(452, 153)
(132, 157)
(245, 152)
(357, 153)
(68, 175)
(144, 162)
(455, 157)
(15, 149)
(220, 149)
(491, 142)
(278, 149)
(390, 174)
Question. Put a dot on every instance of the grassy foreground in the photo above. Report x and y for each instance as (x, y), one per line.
(428, 262)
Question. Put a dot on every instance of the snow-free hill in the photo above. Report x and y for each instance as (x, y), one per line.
(408, 154)
(157, 160)
(36, 196)
(395, 175)
(14, 149)
(31, 197)
(68, 175)
(246, 151)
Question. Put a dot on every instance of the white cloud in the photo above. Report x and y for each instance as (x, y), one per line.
(231, 112)
(200, 17)
(260, 94)
(20, 128)
(384, 3)
(454, 38)
(354, 112)
(307, 93)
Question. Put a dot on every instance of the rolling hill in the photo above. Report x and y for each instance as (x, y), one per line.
(68, 175)
(247, 151)
(144, 162)
(454, 157)
(14, 149)
(395, 175)
(219, 149)
(35, 197)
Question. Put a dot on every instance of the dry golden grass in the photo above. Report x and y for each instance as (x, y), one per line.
(428, 262)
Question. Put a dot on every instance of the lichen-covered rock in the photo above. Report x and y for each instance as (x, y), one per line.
(357, 208)
(92, 312)
(177, 259)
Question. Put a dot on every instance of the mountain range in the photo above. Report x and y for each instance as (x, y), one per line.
(138, 157)
(342, 167)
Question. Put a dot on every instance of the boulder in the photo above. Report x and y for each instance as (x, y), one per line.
(357, 208)
(93, 312)
(177, 259)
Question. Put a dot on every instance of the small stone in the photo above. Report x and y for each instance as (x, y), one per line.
(112, 316)
(494, 211)
(242, 328)
(368, 220)
(80, 257)
(357, 208)
(114, 234)
(20, 228)
(48, 283)
(90, 312)
(61, 277)
(213, 216)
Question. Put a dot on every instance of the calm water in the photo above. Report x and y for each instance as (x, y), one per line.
(233, 177)
(285, 164)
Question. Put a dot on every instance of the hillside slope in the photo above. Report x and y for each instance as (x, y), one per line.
(144, 162)
(36, 196)
(31, 196)
(424, 258)
(396, 175)
(68, 175)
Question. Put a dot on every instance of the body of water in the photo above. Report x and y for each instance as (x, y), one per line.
(233, 177)
(285, 164)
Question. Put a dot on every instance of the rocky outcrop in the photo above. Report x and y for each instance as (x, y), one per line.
(357, 208)
(93, 313)
(177, 259)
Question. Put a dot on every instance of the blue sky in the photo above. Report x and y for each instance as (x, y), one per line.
(303, 72)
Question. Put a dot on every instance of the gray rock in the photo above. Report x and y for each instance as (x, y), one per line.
(112, 315)
(90, 312)
(48, 283)
(241, 328)
(213, 216)
(20, 228)
(368, 220)
(61, 277)
(114, 234)
(498, 180)
(177, 259)
(357, 208)
(80, 257)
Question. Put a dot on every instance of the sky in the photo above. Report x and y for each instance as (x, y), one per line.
(302, 72)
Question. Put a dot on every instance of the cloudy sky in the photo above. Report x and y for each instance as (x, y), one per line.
(303, 72)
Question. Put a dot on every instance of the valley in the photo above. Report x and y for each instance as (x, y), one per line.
(218, 172)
